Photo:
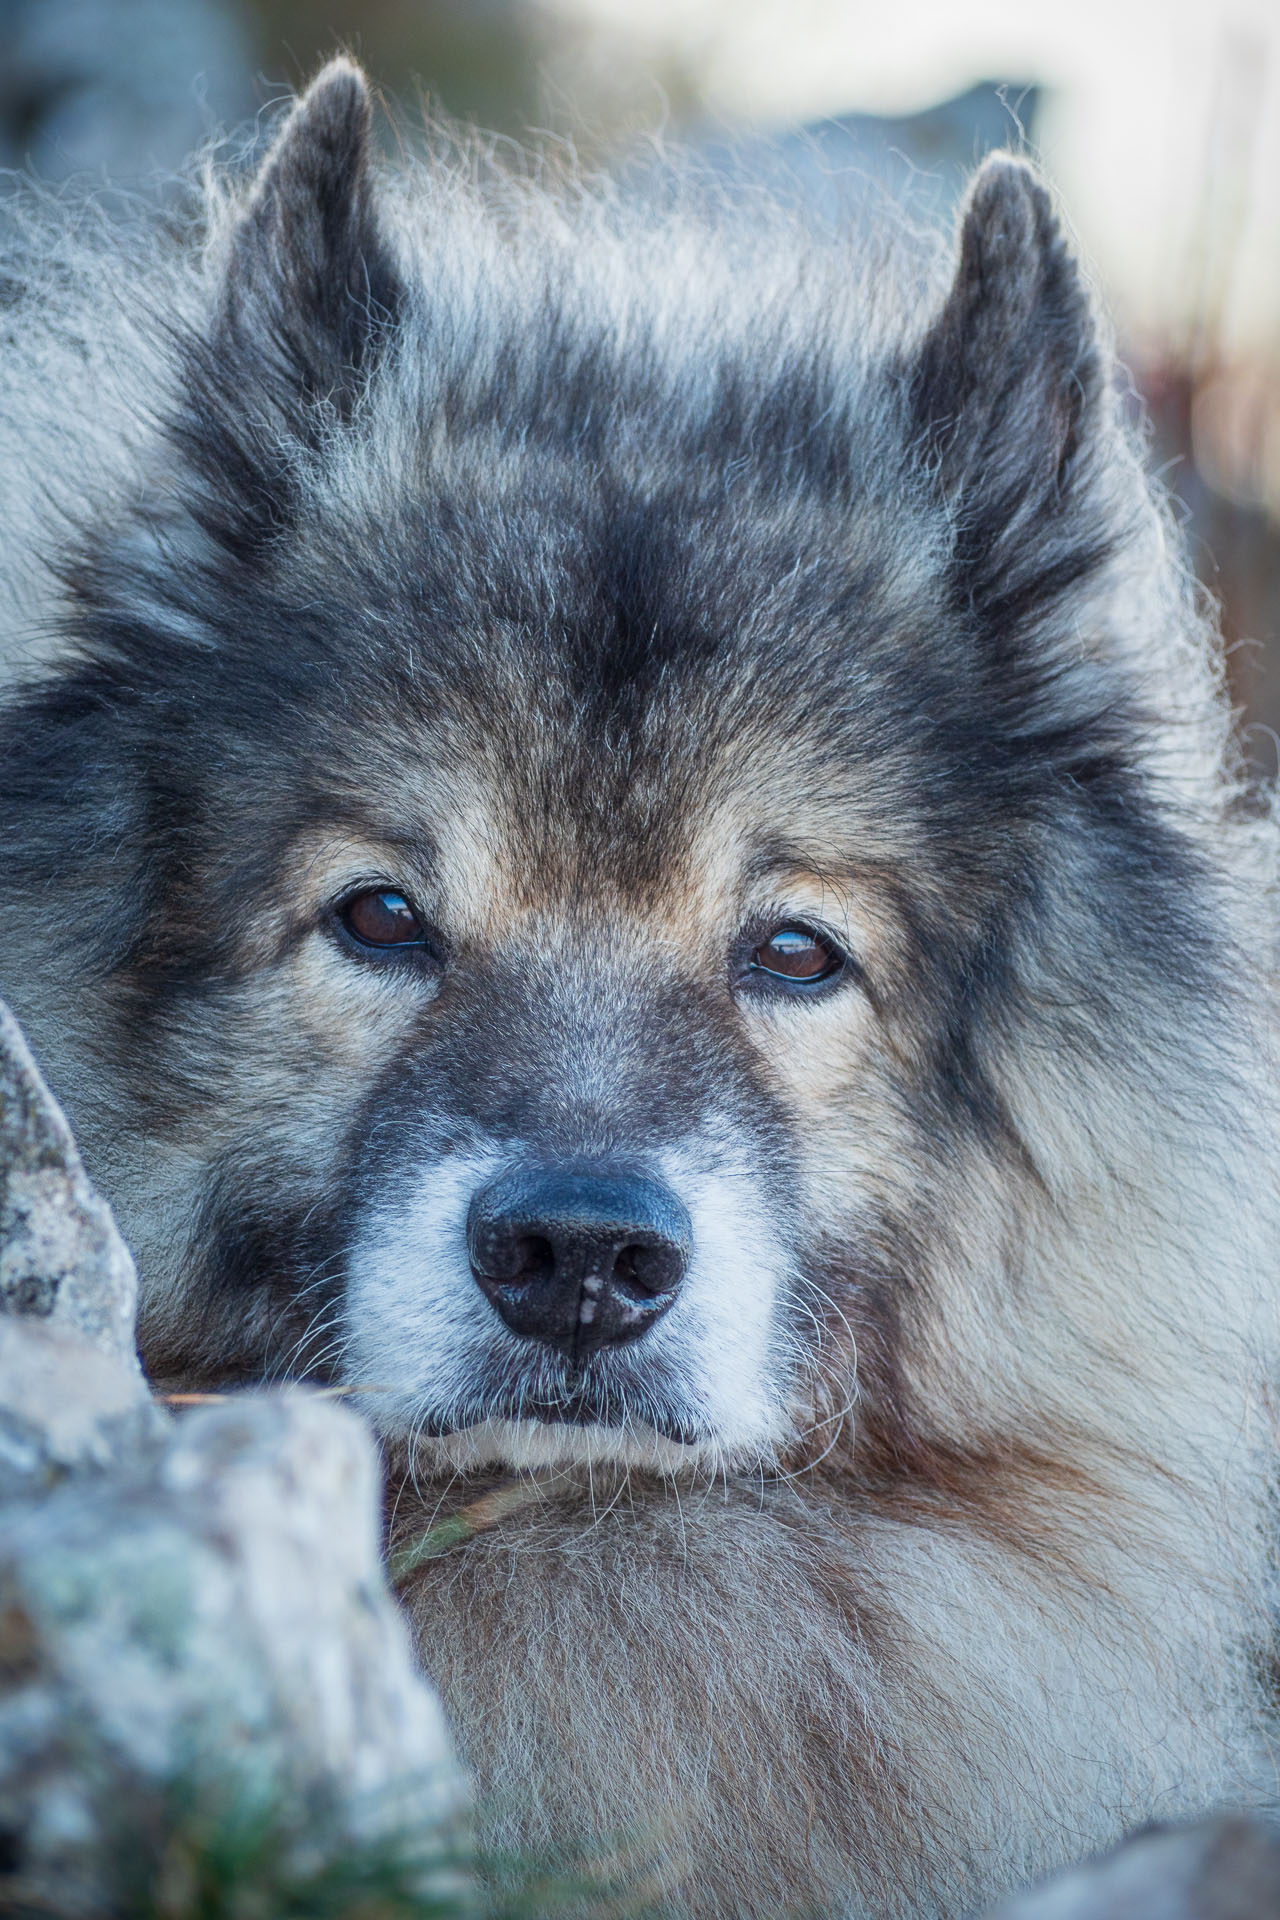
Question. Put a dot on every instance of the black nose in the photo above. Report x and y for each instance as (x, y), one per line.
(580, 1260)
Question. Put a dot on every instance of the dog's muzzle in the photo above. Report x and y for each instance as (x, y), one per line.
(578, 1259)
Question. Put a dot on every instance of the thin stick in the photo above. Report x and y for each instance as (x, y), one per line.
(212, 1399)
(506, 1498)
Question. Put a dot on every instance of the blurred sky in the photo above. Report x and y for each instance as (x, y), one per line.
(1159, 119)
(1162, 124)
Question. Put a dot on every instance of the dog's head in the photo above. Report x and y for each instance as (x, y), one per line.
(597, 767)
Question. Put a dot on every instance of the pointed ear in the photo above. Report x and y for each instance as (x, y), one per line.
(1010, 381)
(310, 282)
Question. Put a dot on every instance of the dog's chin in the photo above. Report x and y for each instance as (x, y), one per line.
(533, 1444)
(559, 1418)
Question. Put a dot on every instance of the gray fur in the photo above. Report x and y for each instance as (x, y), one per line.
(618, 575)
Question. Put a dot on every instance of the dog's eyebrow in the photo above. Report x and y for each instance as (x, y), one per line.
(807, 865)
(352, 840)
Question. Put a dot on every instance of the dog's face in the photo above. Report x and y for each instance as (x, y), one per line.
(574, 831)
(553, 1024)
(592, 1034)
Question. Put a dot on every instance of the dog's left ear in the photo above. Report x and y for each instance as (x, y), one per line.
(307, 303)
(310, 282)
(1008, 383)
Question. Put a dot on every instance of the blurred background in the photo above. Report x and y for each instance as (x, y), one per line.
(1158, 119)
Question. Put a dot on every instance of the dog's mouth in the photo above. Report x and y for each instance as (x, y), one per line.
(557, 1395)
(582, 1406)
(581, 1413)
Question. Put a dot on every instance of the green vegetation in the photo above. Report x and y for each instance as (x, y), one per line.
(199, 1852)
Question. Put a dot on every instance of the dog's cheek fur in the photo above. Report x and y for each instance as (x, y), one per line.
(245, 1263)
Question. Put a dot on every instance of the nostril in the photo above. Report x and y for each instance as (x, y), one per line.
(537, 1258)
(644, 1272)
(624, 1270)
(499, 1253)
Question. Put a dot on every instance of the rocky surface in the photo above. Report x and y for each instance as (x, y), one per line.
(211, 1615)
(72, 1395)
(1226, 1869)
(191, 1606)
(65, 1407)
(61, 1259)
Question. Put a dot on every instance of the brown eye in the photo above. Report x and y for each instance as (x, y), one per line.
(381, 918)
(793, 953)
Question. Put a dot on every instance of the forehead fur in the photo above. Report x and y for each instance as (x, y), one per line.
(614, 603)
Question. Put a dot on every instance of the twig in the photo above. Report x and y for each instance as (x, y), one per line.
(495, 1505)
(213, 1399)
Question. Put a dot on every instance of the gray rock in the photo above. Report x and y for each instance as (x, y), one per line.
(61, 1257)
(66, 1407)
(191, 1607)
(212, 1613)
(1227, 1869)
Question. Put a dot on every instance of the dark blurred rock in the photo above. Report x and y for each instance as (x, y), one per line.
(1227, 1869)
(118, 87)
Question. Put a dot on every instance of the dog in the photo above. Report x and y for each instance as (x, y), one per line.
(620, 829)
